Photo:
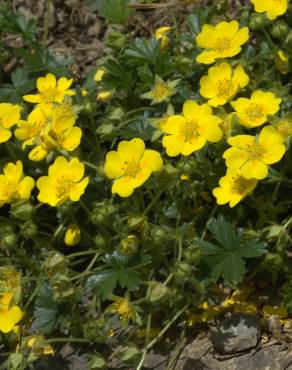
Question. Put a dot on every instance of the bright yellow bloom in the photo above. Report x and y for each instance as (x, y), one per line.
(9, 315)
(253, 112)
(9, 116)
(190, 132)
(131, 165)
(13, 185)
(221, 41)
(221, 83)
(233, 188)
(252, 155)
(50, 90)
(99, 75)
(161, 34)
(105, 95)
(282, 62)
(161, 91)
(273, 8)
(122, 307)
(64, 182)
(72, 235)
(49, 127)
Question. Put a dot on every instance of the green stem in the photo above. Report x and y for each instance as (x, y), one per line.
(154, 200)
(83, 253)
(47, 22)
(90, 165)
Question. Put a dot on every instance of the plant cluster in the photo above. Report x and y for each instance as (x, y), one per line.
(153, 192)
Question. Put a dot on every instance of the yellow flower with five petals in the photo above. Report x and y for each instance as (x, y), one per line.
(233, 187)
(273, 8)
(253, 155)
(51, 90)
(189, 132)
(9, 116)
(221, 41)
(64, 182)
(10, 314)
(13, 184)
(131, 165)
(254, 112)
(221, 83)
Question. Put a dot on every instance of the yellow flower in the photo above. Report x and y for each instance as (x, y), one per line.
(253, 112)
(49, 127)
(221, 83)
(161, 91)
(131, 165)
(13, 185)
(99, 74)
(105, 95)
(72, 235)
(253, 155)
(50, 90)
(273, 8)
(64, 182)
(279, 311)
(233, 188)
(184, 177)
(161, 34)
(190, 132)
(10, 315)
(9, 116)
(122, 307)
(221, 41)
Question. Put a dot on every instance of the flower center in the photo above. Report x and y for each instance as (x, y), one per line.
(49, 95)
(161, 91)
(225, 88)
(256, 151)
(222, 44)
(63, 187)
(132, 168)
(189, 130)
(255, 112)
(239, 185)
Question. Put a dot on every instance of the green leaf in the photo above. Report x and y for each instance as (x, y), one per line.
(144, 50)
(45, 311)
(114, 11)
(227, 259)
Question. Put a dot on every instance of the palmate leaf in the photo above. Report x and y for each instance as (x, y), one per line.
(227, 259)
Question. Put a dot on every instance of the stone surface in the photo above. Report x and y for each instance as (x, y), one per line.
(237, 333)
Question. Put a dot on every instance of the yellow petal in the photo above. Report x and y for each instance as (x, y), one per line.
(151, 160)
(269, 137)
(59, 167)
(47, 82)
(173, 144)
(131, 150)
(124, 186)
(71, 138)
(64, 83)
(38, 153)
(222, 195)
(114, 165)
(76, 169)
(240, 78)
(15, 314)
(72, 235)
(193, 145)
(241, 141)
(6, 324)
(13, 171)
(78, 190)
(5, 135)
(254, 169)
(190, 109)
(173, 124)
(274, 155)
(235, 157)
(207, 37)
(241, 37)
(32, 98)
(227, 29)
(206, 57)
(210, 130)
(25, 187)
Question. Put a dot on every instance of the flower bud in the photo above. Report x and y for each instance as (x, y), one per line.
(72, 235)
(280, 30)
(129, 245)
(116, 39)
(273, 261)
(288, 39)
(100, 241)
(193, 254)
(159, 235)
(8, 241)
(55, 263)
(257, 21)
(21, 210)
(101, 211)
(29, 229)
(89, 107)
(282, 62)
(158, 292)
(221, 6)
(182, 270)
(62, 286)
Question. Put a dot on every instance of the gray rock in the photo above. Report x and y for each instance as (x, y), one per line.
(237, 333)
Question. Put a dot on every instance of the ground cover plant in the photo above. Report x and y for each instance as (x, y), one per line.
(151, 193)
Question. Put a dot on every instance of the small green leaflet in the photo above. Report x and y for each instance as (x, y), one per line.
(227, 257)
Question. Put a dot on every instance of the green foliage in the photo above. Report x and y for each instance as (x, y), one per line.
(227, 258)
(114, 11)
